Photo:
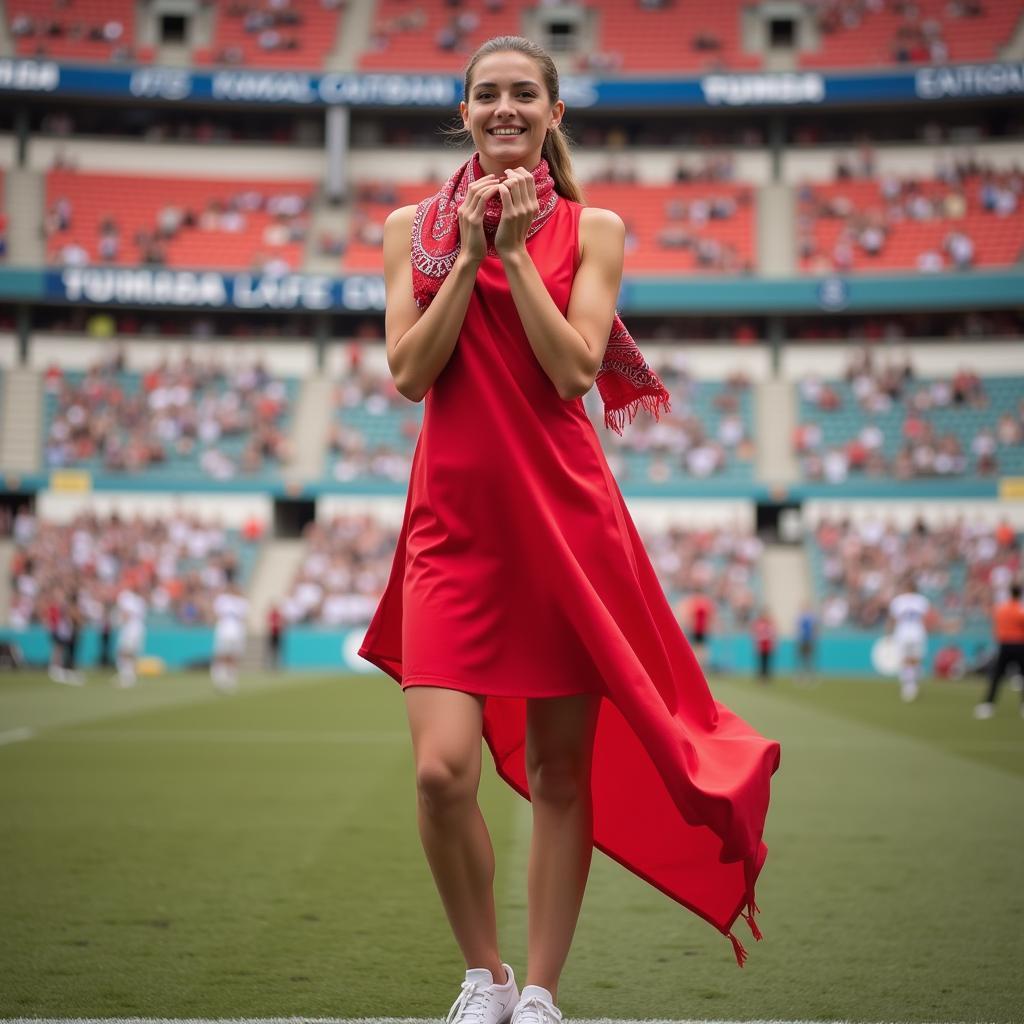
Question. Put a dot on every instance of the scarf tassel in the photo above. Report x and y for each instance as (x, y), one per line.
(748, 914)
(737, 948)
(617, 418)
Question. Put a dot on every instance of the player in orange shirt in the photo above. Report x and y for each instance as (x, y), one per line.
(1008, 622)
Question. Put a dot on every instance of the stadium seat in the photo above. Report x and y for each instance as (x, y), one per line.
(135, 202)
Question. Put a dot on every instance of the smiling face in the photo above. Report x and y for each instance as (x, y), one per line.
(509, 111)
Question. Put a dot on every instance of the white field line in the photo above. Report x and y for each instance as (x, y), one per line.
(375, 1020)
(16, 735)
(58, 734)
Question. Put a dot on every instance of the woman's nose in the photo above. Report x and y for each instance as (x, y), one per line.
(505, 107)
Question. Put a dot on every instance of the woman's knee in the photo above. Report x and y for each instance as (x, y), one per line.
(444, 783)
(559, 779)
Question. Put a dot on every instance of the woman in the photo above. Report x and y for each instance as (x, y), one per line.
(521, 603)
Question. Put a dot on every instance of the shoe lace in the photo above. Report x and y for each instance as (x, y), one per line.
(471, 1006)
(537, 1011)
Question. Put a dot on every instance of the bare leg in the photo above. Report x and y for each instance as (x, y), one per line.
(447, 728)
(559, 745)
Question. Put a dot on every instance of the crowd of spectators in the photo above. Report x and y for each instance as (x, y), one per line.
(177, 564)
(963, 567)
(44, 32)
(343, 572)
(946, 198)
(180, 410)
(289, 224)
(722, 563)
(275, 26)
(923, 450)
(692, 440)
(455, 35)
(361, 397)
(918, 38)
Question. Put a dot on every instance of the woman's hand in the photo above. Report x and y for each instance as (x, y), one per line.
(519, 209)
(471, 218)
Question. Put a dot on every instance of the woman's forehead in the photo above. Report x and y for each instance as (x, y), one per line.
(505, 67)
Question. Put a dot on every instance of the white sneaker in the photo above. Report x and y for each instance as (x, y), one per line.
(535, 1007)
(481, 1001)
(908, 692)
(984, 710)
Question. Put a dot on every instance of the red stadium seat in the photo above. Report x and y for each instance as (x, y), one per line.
(305, 44)
(135, 201)
(65, 32)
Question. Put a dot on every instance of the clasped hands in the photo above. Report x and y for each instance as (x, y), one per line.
(519, 209)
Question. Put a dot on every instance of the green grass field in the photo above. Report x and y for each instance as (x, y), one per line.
(168, 852)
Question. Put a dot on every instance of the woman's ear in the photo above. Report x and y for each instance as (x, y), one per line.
(557, 110)
(464, 114)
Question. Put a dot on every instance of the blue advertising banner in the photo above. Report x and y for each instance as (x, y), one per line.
(210, 289)
(721, 89)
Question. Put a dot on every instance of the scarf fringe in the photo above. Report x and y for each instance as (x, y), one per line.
(748, 915)
(737, 948)
(617, 418)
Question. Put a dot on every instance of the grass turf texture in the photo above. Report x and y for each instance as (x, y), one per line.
(168, 852)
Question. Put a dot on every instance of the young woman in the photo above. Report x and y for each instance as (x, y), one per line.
(521, 604)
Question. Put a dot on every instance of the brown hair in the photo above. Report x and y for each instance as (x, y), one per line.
(556, 144)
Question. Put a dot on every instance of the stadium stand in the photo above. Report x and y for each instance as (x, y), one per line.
(179, 222)
(343, 571)
(176, 563)
(432, 36)
(299, 34)
(687, 226)
(89, 30)
(708, 433)
(665, 36)
(869, 33)
(962, 565)
(888, 424)
(374, 430)
(925, 225)
(178, 421)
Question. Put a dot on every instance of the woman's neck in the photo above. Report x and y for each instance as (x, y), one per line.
(490, 167)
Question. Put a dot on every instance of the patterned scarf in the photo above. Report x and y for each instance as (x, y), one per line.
(625, 380)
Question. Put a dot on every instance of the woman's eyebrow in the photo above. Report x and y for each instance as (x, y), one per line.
(494, 85)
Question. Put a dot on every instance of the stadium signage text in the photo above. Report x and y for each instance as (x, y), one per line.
(29, 75)
(752, 90)
(970, 80)
(103, 286)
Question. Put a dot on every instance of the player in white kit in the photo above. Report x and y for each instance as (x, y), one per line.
(131, 638)
(230, 609)
(908, 615)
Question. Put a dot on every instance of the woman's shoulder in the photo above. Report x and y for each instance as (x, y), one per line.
(401, 217)
(601, 226)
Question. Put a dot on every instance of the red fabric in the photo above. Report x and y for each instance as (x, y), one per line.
(519, 573)
(625, 381)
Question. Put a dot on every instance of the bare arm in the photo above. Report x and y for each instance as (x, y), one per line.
(420, 342)
(570, 348)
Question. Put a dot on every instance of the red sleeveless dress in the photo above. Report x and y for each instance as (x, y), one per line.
(519, 573)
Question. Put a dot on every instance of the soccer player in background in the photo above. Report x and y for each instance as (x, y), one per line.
(1008, 625)
(230, 609)
(806, 639)
(908, 614)
(764, 642)
(131, 638)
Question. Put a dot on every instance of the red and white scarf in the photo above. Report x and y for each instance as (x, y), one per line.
(625, 380)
